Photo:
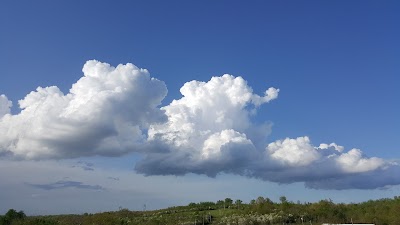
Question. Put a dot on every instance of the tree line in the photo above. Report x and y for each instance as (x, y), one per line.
(260, 211)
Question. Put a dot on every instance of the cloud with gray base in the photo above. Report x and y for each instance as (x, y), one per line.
(112, 111)
(209, 130)
(298, 160)
(106, 112)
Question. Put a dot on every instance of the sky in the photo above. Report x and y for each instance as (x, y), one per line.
(150, 104)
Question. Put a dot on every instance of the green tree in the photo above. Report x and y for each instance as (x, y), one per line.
(228, 202)
(283, 199)
(260, 200)
(11, 216)
(238, 203)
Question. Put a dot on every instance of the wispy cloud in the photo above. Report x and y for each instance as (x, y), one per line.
(84, 165)
(112, 111)
(66, 184)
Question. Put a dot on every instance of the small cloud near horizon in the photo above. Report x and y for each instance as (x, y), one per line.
(66, 184)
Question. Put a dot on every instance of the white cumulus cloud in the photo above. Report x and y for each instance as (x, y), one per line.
(104, 113)
(206, 108)
(208, 127)
(331, 145)
(298, 160)
(111, 111)
(270, 94)
(293, 152)
(213, 145)
(354, 162)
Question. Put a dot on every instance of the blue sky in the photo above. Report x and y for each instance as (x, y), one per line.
(335, 64)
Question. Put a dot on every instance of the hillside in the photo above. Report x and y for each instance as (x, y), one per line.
(259, 211)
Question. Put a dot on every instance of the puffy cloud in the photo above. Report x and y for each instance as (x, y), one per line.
(209, 107)
(5, 105)
(293, 152)
(270, 94)
(105, 113)
(331, 145)
(354, 162)
(297, 160)
(213, 146)
(207, 128)
(111, 111)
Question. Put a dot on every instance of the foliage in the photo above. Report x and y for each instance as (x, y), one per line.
(260, 211)
(12, 215)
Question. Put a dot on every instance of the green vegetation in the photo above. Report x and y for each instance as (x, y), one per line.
(258, 212)
(12, 216)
